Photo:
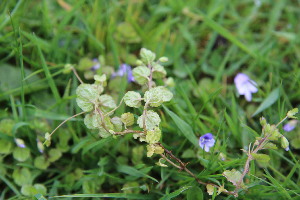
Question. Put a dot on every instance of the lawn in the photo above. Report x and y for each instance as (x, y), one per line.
(136, 99)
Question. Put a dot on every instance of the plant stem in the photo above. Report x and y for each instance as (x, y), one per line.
(76, 74)
(281, 121)
(127, 131)
(182, 166)
(65, 122)
(249, 159)
(115, 108)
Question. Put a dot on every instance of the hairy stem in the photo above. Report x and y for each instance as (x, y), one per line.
(260, 145)
(127, 132)
(182, 166)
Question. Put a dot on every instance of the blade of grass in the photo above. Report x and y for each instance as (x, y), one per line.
(226, 33)
(183, 127)
(109, 195)
(271, 98)
(134, 172)
(47, 73)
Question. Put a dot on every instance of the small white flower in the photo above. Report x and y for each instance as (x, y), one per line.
(245, 86)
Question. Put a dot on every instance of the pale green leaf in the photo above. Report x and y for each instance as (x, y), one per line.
(147, 56)
(159, 71)
(152, 120)
(153, 136)
(141, 74)
(107, 103)
(127, 119)
(132, 99)
(234, 177)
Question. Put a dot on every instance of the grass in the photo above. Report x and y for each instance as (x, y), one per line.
(207, 43)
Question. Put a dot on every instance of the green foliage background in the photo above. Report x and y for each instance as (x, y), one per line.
(207, 43)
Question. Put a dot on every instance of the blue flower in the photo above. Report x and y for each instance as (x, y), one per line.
(290, 125)
(245, 86)
(207, 141)
(96, 65)
(123, 70)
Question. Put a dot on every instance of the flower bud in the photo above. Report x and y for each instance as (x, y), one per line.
(20, 143)
(263, 121)
(163, 59)
(285, 143)
(67, 68)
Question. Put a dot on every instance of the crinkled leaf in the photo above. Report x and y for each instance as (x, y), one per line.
(132, 99)
(117, 123)
(152, 148)
(107, 103)
(127, 119)
(210, 189)
(87, 96)
(159, 71)
(147, 56)
(153, 136)
(92, 121)
(141, 74)
(157, 95)
(234, 177)
(152, 120)
(103, 133)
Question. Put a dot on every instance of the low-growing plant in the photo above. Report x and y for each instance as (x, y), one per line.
(99, 110)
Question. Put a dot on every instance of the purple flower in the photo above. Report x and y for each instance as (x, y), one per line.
(290, 125)
(245, 86)
(96, 65)
(123, 70)
(207, 141)
(20, 143)
(287, 149)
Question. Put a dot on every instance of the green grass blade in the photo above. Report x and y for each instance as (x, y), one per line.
(184, 127)
(134, 172)
(109, 195)
(225, 33)
(272, 98)
(175, 193)
(47, 73)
